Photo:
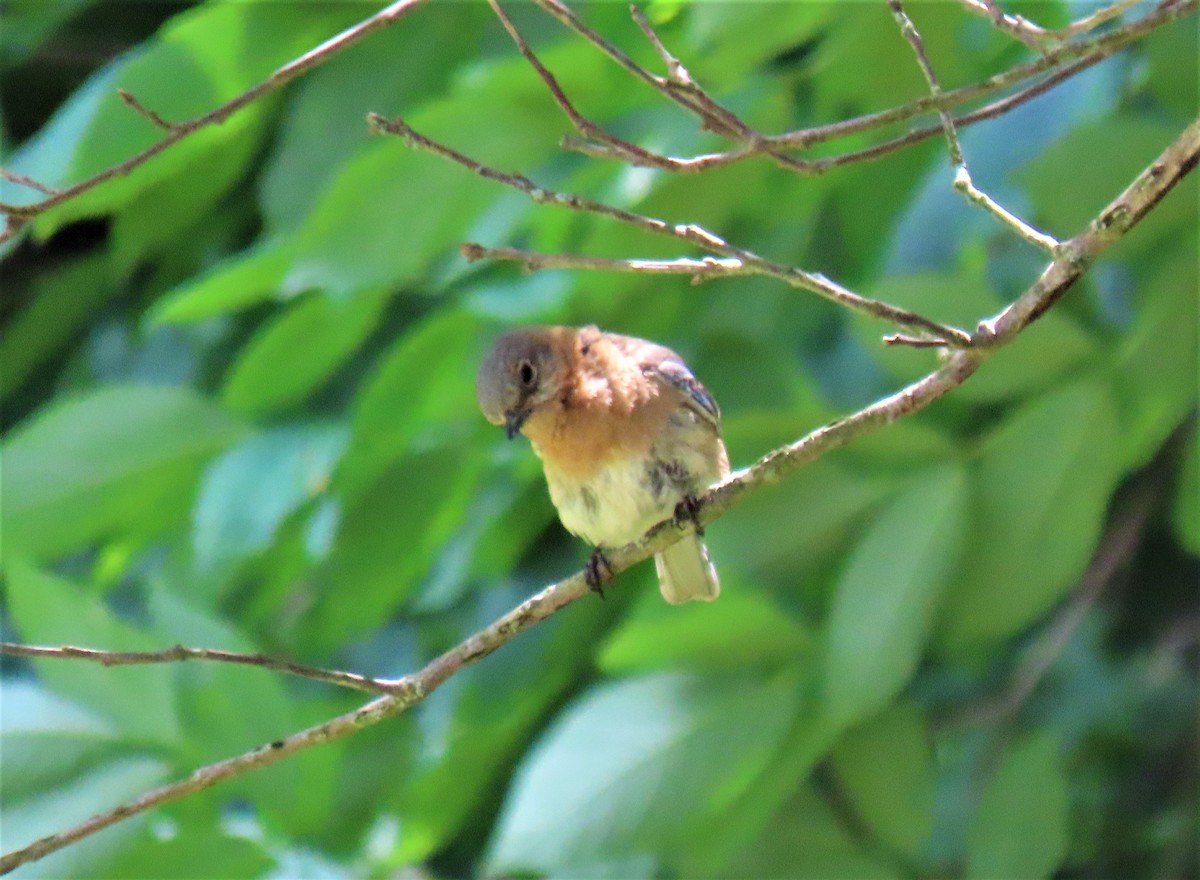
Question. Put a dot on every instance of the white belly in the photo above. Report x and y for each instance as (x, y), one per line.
(614, 507)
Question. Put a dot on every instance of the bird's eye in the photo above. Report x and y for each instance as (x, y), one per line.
(526, 374)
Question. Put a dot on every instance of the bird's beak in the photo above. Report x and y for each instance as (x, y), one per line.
(513, 420)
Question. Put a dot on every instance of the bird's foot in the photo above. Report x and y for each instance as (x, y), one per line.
(597, 572)
(688, 511)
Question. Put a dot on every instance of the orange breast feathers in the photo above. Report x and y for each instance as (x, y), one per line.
(608, 409)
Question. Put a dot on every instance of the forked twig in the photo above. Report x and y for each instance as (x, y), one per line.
(751, 263)
(962, 176)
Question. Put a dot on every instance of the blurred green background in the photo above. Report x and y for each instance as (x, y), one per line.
(239, 413)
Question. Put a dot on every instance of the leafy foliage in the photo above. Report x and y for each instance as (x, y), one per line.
(239, 414)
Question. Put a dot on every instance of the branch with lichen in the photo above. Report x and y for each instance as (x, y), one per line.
(1071, 261)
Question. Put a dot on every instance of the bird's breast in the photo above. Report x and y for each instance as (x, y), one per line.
(613, 505)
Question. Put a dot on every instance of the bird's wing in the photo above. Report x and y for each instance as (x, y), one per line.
(664, 365)
(674, 372)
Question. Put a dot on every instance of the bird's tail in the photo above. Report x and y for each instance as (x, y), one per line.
(685, 573)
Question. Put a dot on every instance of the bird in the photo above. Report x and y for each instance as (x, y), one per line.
(627, 437)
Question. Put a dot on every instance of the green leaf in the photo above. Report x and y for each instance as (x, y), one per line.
(298, 349)
(195, 61)
(1068, 193)
(421, 388)
(326, 119)
(59, 808)
(391, 213)
(123, 457)
(29, 23)
(885, 599)
(475, 726)
(1020, 827)
(638, 768)
(46, 741)
(388, 540)
(778, 535)
(746, 628)
(1156, 367)
(247, 492)
(191, 852)
(227, 709)
(232, 285)
(805, 841)
(138, 700)
(885, 767)
(1042, 483)
(1174, 69)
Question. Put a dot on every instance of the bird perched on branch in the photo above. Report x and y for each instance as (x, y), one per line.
(626, 434)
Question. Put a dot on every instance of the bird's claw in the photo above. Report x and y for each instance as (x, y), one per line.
(597, 572)
(688, 511)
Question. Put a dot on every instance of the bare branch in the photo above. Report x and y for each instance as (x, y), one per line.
(614, 146)
(532, 261)
(18, 215)
(962, 175)
(1086, 53)
(22, 180)
(137, 106)
(676, 72)
(752, 264)
(677, 87)
(179, 653)
(1036, 37)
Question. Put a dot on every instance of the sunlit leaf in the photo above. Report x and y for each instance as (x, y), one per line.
(637, 768)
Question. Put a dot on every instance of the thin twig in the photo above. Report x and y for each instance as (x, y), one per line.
(19, 215)
(22, 180)
(137, 106)
(989, 111)
(1094, 49)
(618, 147)
(677, 87)
(179, 653)
(676, 72)
(1069, 265)
(752, 264)
(1037, 37)
(533, 261)
(962, 175)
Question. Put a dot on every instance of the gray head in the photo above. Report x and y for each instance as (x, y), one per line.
(525, 369)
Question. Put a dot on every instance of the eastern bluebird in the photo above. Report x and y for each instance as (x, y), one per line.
(626, 434)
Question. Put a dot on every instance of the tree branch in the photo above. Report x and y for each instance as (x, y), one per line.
(962, 175)
(18, 215)
(179, 653)
(750, 262)
(1036, 37)
(714, 118)
(1070, 263)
